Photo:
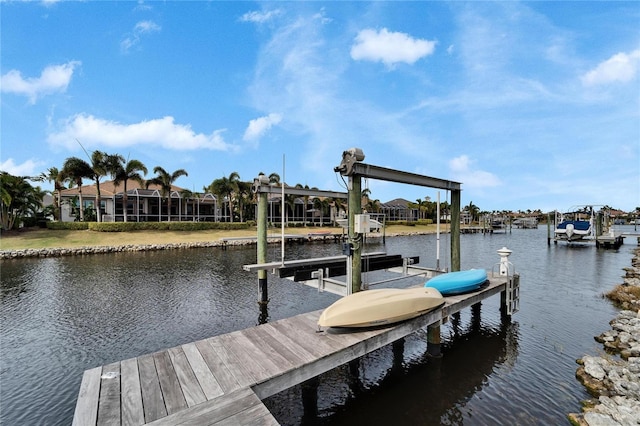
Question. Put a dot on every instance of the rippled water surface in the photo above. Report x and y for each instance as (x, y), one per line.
(62, 316)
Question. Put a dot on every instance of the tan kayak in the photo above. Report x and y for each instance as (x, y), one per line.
(382, 306)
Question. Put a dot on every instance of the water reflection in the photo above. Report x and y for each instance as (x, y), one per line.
(401, 383)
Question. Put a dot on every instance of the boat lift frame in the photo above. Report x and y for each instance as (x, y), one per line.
(352, 167)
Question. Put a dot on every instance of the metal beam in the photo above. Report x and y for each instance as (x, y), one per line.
(269, 189)
(382, 173)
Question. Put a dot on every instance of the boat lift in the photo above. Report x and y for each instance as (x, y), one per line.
(314, 270)
(352, 167)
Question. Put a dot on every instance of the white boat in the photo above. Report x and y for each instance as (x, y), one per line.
(383, 306)
(575, 225)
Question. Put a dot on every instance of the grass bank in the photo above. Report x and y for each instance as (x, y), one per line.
(37, 238)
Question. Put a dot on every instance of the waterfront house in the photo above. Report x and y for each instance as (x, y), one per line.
(143, 204)
(398, 209)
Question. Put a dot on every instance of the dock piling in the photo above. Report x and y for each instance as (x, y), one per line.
(263, 288)
(434, 340)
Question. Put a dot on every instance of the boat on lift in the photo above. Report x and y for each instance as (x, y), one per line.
(458, 282)
(576, 225)
(370, 308)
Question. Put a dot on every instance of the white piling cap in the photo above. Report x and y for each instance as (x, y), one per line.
(504, 251)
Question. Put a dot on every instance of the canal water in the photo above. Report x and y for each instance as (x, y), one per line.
(61, 316)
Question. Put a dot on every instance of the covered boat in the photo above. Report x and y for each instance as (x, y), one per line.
(575, 225)
(458, 282)
(381, 306)
(573, 230)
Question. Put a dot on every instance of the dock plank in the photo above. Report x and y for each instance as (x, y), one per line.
(210, 386)
(304, 336)
(109, 402)
(217, 410)
(86, 412)
(218, 368)
(291, 345)
(172, 392)
(152, 399)
(273, 349)
(132, 410)
(191, 390)
(231, 363)
(252, 358)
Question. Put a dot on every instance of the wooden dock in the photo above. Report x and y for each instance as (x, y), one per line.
(222, 379)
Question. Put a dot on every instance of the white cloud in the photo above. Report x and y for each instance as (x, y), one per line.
(461, 169)
(140, 29)
(390, 47)
(54, 78)
(258, 127)
(28, 168)
(621, 67)
(161, 132)
(260, 17)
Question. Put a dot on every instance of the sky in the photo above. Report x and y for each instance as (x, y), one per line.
(529, 105)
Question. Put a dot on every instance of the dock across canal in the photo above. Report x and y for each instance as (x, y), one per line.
(223, 379)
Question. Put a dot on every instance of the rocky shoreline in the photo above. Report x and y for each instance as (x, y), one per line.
(613, 379)
(90, 250)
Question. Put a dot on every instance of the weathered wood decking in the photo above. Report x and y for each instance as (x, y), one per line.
(222, 379)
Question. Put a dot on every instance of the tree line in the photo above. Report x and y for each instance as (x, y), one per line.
(20, 199)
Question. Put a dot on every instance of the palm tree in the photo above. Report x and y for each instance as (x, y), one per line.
(103, 164)
(366, 194)
(75, 170)
(53, 175)
(124, 173)
(322, 205)
(226, 187)
(290, 200)
(274, 178)
(18, 199)
(192, 196)
(165, 181)
(373, 206)
(338, 205)
(473, 211)
(306, 203)
(245, 196)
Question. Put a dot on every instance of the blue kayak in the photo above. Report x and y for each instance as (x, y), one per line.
(458, 282)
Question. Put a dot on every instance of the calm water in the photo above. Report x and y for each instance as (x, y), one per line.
(62, 316)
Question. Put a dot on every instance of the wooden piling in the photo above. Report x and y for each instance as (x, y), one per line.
(355, 207)
(262, 247)
(455, 230)
(434, 340)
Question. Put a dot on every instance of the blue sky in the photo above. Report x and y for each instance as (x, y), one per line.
(530, 105)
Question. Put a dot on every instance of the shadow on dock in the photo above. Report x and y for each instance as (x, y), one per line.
(382, 387)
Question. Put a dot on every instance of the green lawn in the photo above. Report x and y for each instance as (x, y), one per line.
(45, 238)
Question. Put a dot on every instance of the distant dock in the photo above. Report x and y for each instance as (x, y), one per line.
(223, 379)
(289, 238)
